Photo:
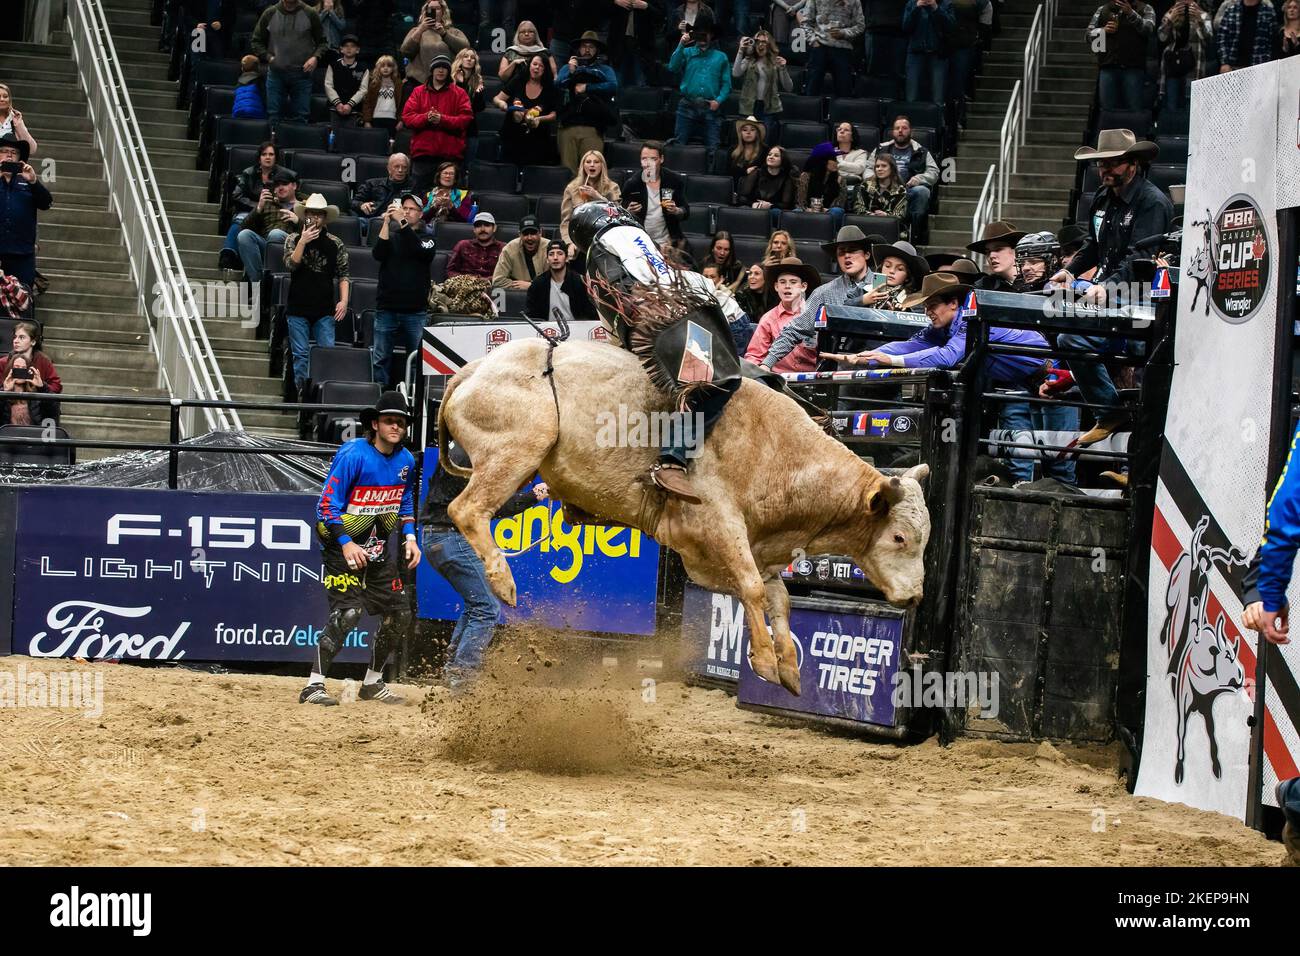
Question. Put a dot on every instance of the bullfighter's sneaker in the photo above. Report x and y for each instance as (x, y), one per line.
(379, 691)
(316, 694)
(671, 477)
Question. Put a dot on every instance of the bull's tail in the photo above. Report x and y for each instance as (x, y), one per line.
(443, 433)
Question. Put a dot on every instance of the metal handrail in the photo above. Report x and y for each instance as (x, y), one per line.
(1009, 143)
(988, 208)
(186, 363)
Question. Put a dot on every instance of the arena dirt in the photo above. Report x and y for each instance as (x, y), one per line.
(547, 763)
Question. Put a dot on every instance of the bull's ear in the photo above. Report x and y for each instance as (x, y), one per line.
(877, 503)
(917, 472)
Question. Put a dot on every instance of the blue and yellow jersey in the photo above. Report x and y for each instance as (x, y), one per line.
(1281, 535)
(366, 495)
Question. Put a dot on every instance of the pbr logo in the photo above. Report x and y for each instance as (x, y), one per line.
(598, 334)
(497, 337)
(551, 333)
(1236, 240)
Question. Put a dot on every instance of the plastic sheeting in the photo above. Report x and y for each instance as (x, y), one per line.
(277, 470)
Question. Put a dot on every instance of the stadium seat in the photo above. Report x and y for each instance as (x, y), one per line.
(926, 136)
(230, 132)
(884, 226)
(1164, 175)
(39, 452)
(859, 112)
(816, 256)
(359, 140)
(544, 180)
(714, 190)
(748, 249)
(371, 167)
(798, 156)
(1173, 148)
(548, 210)
(235, 160)
(489, 146)
(743, 221)
(491, 87)
(273, 256)
(1091, 180)
(489, 63)
(803, 109)
(318, 112)
(363, 297)
(329, 426)
(920, 114)
(491, 120)
(698, 244)
(361, 262)
(701, 219)
(803, 135)
(447, 234)
(336, 194)
(811, 226)
(336, 363)
(300, 136)
(507, 207)
(1174, 122)
(513, 302)
(1139, 121)
(215, 101)
(373, 230)
(348, 228)
(494, 177)
(683, 159)
(438, 268)
(208, 73)
(623, 154)
(316, 164)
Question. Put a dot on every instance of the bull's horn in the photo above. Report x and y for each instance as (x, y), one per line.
(917, 472)
(893, 491)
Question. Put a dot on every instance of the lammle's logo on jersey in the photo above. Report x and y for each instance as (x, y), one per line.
(371, 500)
(1239, 259)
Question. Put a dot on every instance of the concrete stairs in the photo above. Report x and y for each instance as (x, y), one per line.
(1039, 192)
(94, 332)
(241, 356)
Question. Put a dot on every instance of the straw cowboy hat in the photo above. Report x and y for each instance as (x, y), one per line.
(1114, 143)
(851, 236)
(999, 231)
(916, 264)
(750, 121)
(936, 283)
(316, 203)
(793, 266)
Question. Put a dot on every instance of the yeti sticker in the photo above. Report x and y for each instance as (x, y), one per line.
(697, 357)
(1203, 662)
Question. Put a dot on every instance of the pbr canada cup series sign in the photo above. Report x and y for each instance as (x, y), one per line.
(1237, 246)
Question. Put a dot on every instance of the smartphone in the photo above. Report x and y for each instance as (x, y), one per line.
(878, 279)
(21, 374)
(11, 167)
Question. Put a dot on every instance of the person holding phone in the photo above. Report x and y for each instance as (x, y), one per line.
(290, 39)
(1185, 34)
(22, 196)
(404, 251)
(433, 36)
(1118, 34)
(27, 344)
(316, 261)
(33, 411)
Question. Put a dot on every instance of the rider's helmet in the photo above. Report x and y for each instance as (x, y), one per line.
(591, 218)
(1039, 245)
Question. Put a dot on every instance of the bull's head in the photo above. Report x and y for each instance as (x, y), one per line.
(899, 523)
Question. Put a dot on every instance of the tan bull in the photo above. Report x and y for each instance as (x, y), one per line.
(773, 484)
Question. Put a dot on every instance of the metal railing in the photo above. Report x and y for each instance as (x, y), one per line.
(989, 206)
(186, 363)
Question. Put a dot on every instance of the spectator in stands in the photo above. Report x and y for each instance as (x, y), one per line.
(722, 254)
(682, 18)
(204, 26)
(274, 219)
(522, 259)
(928, 25)
(591, 183)
(12, 122)
(477, 256)
(705, 83)
(383, 102)
(917, 169)
(819, 186)
(634, 27)
(438, 114)
(852, 252)
(376, 195)
(792, 280)
(903, 270)
(886, 45)
(466, 74)
(27, 343)
(250, 101)
(657, 197)
(833, 27)
(1244, 31)
(334, 20)
(33, 411)
(997, 243)
(250, 185)
(22, 196)
(962, 43)
(852, 158)
(289, 38)
(531, 103)
(773, 186)
(749, 151)
(763, 77)
(1288, 35)
(527, 41)
(404, 252)
(316, 260)
(884, 194)
(780, 246)
(447, 202)
(432, 36)
(943, 345)
(1118, 33)
(1126, 208)
(1072, 238)
(754, 297)
(559, 289)
(1185, 33)
(589, 86)
(346, 82)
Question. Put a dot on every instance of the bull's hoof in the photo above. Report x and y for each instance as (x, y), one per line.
(789, 677)
(765, 667)
(502, 582)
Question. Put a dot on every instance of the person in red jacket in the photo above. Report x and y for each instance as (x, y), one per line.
(438, 114)
(27, 344)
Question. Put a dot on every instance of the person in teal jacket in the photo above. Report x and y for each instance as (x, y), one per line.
(706, 83)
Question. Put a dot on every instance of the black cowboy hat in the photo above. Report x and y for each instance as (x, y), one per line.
(24, 148)
(390, 403)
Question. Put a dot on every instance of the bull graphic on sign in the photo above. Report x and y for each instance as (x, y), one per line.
(1203, 662)
(1201, 266)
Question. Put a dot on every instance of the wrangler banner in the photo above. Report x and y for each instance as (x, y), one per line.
(1213, 484)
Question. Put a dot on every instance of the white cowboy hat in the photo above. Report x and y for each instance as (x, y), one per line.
(316, 203)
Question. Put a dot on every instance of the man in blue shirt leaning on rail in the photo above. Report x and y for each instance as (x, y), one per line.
(1266, 606)
(706, 83)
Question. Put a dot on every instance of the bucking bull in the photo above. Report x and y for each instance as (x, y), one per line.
(770, 483)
